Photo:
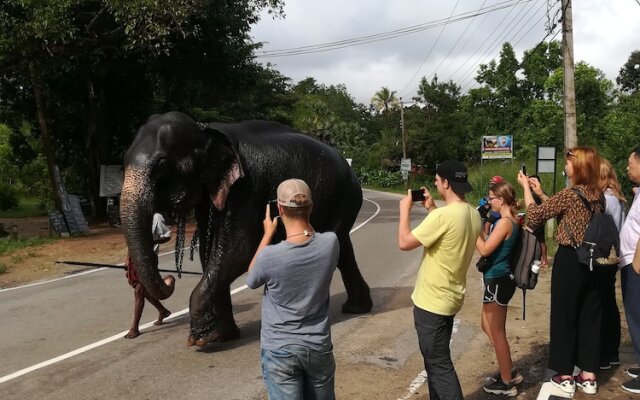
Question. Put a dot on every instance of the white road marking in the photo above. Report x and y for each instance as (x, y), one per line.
(121, 334)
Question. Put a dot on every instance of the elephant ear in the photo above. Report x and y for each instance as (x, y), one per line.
(223, 166)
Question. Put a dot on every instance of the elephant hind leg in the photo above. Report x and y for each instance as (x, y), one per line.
(358, 293)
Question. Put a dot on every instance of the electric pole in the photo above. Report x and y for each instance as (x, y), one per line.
(403, 131)
(570, 134)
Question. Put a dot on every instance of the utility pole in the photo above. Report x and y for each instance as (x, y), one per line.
(404, 132)
(570, 134)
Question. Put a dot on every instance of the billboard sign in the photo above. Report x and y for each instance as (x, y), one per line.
(496, 147)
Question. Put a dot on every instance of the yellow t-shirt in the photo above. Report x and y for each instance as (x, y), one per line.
(449, 236)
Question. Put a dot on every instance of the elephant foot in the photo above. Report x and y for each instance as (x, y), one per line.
(219, 334)
(360, 305)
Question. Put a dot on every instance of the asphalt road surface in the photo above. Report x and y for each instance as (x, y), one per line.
(63, 339)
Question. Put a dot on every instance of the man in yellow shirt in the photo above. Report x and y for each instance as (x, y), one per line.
(448, 235)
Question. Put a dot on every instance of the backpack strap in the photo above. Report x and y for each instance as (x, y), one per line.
(589, 208)
(584, 199)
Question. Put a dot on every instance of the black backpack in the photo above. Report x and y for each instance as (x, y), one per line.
(601, 243)
(525, 251)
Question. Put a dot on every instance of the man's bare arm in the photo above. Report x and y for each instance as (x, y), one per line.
(406, 240)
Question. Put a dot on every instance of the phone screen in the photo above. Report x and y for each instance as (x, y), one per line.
(417, 195)
(273, 208)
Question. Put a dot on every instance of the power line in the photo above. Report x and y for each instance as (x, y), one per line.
(430, 50)
(551, 24)
(481, 45)
(501, 38)
(435, 71)
(323, 47)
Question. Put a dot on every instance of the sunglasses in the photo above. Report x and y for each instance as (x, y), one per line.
(570, 154)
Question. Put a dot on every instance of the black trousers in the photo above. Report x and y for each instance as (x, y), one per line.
(576, 314)
(610, 315)
(434, 335)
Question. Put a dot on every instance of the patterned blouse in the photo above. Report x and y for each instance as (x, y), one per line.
(571, 212)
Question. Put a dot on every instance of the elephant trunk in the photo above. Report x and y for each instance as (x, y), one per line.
(136, 215)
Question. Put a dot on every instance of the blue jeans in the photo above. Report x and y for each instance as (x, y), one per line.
(297, 372)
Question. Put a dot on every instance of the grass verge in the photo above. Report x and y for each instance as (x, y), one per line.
(28, 207)
(8, 246)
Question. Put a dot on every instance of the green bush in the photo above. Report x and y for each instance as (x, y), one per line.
(379, 178)
(8, 197)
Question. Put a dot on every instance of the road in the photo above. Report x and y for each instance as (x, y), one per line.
(63, 339)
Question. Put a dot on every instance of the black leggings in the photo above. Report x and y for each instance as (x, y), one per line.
(576, 314)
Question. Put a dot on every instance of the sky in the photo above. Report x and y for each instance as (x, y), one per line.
(605, 34)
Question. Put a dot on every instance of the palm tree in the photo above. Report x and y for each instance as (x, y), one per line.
(385, 100)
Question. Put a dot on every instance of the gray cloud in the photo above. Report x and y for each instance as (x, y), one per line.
(605, 34)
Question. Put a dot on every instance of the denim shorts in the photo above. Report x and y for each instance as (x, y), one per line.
(297, 372)
(498, 290)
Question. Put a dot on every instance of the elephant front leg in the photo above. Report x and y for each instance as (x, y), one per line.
(211, 316)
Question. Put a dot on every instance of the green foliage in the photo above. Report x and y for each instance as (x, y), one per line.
(629, 78)
(379, 178)
(385, 100)
(8, 196)
(105, 66)
(9, 246)
(27, 207)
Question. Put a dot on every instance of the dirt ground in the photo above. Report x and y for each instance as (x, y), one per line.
(528, 339)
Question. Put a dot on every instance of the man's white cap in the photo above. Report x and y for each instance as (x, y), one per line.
(289, 189)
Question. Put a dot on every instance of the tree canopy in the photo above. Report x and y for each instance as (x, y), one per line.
(77, 77)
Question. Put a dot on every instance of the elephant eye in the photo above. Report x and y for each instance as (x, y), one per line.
(185, 166)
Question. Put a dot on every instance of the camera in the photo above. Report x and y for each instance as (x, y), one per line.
(523, 168)
(273, 209)
(417, 195)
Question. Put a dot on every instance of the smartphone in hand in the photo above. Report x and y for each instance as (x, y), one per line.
(417, 195)
(523, 168)
(273, 208)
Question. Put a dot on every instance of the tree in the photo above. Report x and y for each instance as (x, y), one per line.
(385, 100)
(629, 78)
(537, 64)
(96, 68)
(593, 96)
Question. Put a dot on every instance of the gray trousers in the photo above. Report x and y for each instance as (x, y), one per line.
(434, 335)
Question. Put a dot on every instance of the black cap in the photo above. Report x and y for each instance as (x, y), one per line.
(456, 173)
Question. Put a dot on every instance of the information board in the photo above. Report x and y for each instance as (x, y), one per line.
(111, 178)
(497, 147)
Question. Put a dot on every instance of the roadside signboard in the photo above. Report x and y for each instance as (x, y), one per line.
(497, 147)
(546, 159)
(111, 177)
(405, 164)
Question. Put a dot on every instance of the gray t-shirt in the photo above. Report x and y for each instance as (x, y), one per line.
(297, 277)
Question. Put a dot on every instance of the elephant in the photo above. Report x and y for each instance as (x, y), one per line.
(226, 173)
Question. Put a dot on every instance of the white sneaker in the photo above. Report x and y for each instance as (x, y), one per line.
(588, 386)
(566, 385)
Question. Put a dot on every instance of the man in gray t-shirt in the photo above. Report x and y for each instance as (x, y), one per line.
(297, 353)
